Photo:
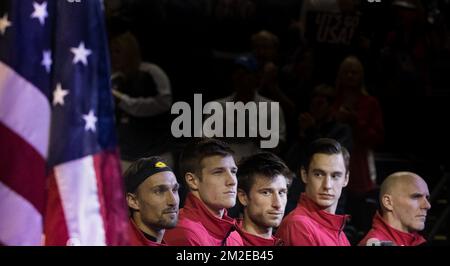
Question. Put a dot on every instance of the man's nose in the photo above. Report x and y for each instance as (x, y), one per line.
(326, 183)
(231, 179)
(276, 201)
(172, 198)
(426, 204)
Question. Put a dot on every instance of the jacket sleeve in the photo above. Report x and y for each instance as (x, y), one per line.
(149, 106)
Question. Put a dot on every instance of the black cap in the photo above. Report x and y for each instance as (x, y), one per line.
(143, 168)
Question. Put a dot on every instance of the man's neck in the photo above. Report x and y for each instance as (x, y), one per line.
(216, 212)
(148, 231)
(250, 227)
(394, 223)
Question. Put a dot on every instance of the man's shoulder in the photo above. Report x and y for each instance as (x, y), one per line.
(186, 233)
(190, 224)
(374, 234)
(298, 219)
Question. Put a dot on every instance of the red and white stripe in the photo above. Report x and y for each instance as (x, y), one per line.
(83, 198)
(24, 136)
(85, 204)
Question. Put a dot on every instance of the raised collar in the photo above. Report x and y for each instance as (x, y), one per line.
(218, 227)
(254, 240)
(331, 221)
(400, 238)
(139, 237)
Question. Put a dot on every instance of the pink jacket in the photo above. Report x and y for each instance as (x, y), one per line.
(307, 225)
(253, 240)
(137, 238)
(381, 231)
(198, 227)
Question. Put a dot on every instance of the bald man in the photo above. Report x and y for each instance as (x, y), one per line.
(404, 203)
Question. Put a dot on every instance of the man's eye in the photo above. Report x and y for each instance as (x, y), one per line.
(159, 191)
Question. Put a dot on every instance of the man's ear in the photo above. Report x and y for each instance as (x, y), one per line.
(304, 175)
(346, 179)
(387, 202)
(132, 201)
(242, 197)
(192, 181)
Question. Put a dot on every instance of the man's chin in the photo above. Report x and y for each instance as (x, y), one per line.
(170, 225)
(229, 205)
(324, 204)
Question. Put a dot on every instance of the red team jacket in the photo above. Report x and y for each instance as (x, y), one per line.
(381, 231)
(197, 226)
(253, 240)
(137, 238)
(307, 225)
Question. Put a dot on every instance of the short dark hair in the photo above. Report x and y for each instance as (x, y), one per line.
(325, 146)
(264, 163)
(197, 150)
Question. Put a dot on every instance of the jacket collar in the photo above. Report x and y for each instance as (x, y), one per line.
(140, 236)
(218, 227)
(324, 218)
(399, 237)
(254, 240)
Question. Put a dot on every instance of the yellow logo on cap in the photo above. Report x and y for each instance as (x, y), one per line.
(160, 165)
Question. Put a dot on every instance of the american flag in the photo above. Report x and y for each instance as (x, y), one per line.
(60, 181)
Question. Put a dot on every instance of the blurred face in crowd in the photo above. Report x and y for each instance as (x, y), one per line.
(155, 202)
(324, 180)
(125, 54)
(265, 46)
(319, 107)
(216, 185)
(351, 74)
(265, 202)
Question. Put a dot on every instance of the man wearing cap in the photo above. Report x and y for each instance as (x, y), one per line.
(404, 202)
(210, 173)
(152, 197)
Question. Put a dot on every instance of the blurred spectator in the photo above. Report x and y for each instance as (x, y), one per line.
(405, 53)
(143, 99)
(265, 50)
(245, 90)
(362, 112)
(319, 122)
(332, 29)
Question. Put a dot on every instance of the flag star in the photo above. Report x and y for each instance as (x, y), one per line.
(90, 119)
(47, 60)
(81, 54)
(59, 94)
(4, 23)
(40, 12)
